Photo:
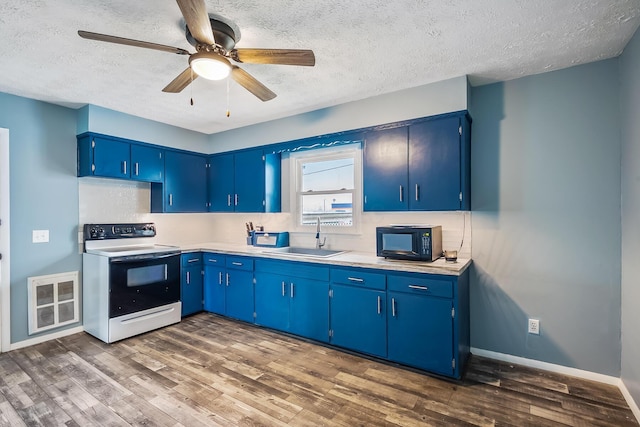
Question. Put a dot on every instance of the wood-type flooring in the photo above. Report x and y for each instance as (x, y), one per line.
(210, 371)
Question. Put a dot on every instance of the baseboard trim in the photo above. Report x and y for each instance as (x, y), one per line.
(632, 403)
(45, 338)
(565, 370)
(545, 366)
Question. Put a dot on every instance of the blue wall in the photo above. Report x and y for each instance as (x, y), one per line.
(43, 195)
(546, 217)
(630, 111)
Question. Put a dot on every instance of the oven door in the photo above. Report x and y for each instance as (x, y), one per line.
(140, 282)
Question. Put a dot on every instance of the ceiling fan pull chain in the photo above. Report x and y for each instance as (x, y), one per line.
(228, 111)
(191, 86)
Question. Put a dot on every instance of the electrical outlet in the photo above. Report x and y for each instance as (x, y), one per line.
(534, 326)
(40, 236)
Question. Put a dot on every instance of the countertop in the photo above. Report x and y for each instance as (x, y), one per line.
(347, 259)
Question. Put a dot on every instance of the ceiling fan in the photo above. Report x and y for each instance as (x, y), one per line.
(214, 41)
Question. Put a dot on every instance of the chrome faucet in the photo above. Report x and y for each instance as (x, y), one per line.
(318, 244)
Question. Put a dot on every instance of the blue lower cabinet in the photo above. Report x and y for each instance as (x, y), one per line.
(272, 301)
(420, 332)
(191, 284)
(358, 319)
(239, 295)
(215, 276)
(293, 297)
(309, 308)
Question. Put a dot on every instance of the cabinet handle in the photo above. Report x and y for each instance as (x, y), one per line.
(237, 263)
(283, 291)
(188, 277)
(235, 199)
(170, 199)
(228, 199)
(379, 304)
(212, 260)
(137, 168)
(393, 307)
(124, 167)
(193, 260)
(417, 192)
(227, 279)
(355, 279)
(220, 278)
(292, 285)
(420, 288)
(401, 192)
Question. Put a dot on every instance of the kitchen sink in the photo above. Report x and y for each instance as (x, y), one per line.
(306, 252)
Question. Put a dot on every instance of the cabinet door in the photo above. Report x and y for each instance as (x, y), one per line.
(185, 182)
(221, 186)
(385, 174)
(191, 289)
(214, 289)
(111, 158)
(272, 301)
(434, 165)
(420, 332)
(358, 319)
(147, 163)
(249, 181)
(239, 295)
(309, 308)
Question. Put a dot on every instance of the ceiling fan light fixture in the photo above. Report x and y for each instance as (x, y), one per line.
(210, 65)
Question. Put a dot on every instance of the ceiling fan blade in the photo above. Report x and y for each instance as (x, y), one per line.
(130, 42)
(248, 82)
(180, 82)
(275, 56)
(197, 19)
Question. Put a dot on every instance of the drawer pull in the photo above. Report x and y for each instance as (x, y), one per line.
(236, 263)
(193, 260)
(212, 260)
(355, 279)
(420, 288)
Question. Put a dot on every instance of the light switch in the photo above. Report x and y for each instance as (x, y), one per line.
(40, 236)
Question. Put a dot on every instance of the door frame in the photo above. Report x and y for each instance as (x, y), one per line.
(5, 279)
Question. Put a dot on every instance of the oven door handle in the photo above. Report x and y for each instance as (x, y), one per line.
(142, 257)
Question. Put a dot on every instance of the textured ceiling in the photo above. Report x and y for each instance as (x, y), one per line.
(363, 48)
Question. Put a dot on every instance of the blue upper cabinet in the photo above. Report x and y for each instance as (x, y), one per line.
(422, 166)
(185, 182)
(246, 181)
(103, 156)
(221, 183)
(385, 176)
(147, 163)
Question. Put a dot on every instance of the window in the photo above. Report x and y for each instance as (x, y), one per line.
(327, 186)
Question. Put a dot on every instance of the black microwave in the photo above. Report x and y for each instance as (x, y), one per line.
(409, 242)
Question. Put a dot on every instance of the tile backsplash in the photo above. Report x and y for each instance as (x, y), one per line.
(111, 201)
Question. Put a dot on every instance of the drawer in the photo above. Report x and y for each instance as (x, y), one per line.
(364, 278)
(191, 258)
(420, 284)
(213, 259)
(239, 263)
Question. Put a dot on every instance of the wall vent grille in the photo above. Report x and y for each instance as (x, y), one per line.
(53, 301)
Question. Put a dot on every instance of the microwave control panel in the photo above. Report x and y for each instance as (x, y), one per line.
(426, 244)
